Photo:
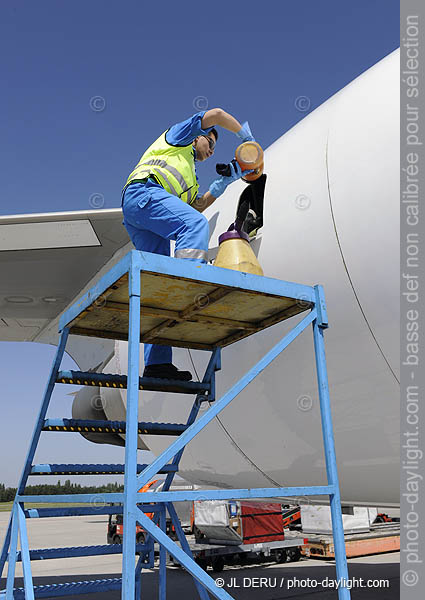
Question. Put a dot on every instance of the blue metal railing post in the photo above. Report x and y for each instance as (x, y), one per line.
(25, 554)
(12, 553)
(130, 475)
(319, 324)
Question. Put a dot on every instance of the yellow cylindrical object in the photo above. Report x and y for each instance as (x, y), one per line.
(236, 253)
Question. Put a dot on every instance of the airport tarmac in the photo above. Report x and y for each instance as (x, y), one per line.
(301, 580)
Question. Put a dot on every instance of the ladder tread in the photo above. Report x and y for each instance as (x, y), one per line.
(89, 469)
(72, 551)
(94, 426)
(120, 382)
(70, 588)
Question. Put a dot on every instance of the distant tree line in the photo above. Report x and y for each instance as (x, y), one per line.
(7, 494)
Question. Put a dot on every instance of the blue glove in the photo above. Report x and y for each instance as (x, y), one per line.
(245, 133)
(220, 184)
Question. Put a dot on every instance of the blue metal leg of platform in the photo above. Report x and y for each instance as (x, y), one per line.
(25, 553)
(319, 325)
(130, 476)
(12, 553)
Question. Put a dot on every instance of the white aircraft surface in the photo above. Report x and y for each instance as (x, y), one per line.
(330, 217)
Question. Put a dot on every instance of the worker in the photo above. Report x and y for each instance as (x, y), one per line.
(160, 202)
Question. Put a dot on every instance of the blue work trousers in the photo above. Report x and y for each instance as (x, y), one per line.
(153, 217)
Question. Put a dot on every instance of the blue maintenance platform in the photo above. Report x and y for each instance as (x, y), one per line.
(155, 299)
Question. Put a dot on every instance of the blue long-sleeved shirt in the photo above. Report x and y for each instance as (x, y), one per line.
(183, 133)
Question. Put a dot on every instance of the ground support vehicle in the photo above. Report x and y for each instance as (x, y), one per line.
(114, 533)
(216, 556)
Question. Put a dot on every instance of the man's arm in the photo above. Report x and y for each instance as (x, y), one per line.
(218, 186)
(218, 116)
(203, 202)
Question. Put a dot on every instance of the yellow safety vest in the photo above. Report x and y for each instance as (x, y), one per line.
(173, 167)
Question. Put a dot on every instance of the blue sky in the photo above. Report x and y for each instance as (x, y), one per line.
(87, 86)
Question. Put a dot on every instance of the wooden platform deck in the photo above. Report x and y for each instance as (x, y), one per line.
(187, 305)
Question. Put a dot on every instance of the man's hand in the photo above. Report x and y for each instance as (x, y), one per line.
(220, 184)
(245, 133)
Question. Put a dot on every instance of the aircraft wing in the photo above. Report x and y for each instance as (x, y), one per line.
(45, 262)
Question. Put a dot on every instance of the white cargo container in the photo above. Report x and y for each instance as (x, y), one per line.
(317, 519)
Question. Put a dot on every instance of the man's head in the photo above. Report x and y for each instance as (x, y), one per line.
(205, 144)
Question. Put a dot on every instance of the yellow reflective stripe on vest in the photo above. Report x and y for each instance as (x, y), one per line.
(162, 175)
(162, 163)
(173, 167)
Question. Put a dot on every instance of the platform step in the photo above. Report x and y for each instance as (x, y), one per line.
(71, 511)
(90, 426)
(91, 469)
(81, 511)
(120, 382)
(72, 551)
(67, 589)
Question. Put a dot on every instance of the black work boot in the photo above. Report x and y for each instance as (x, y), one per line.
(166, 371)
